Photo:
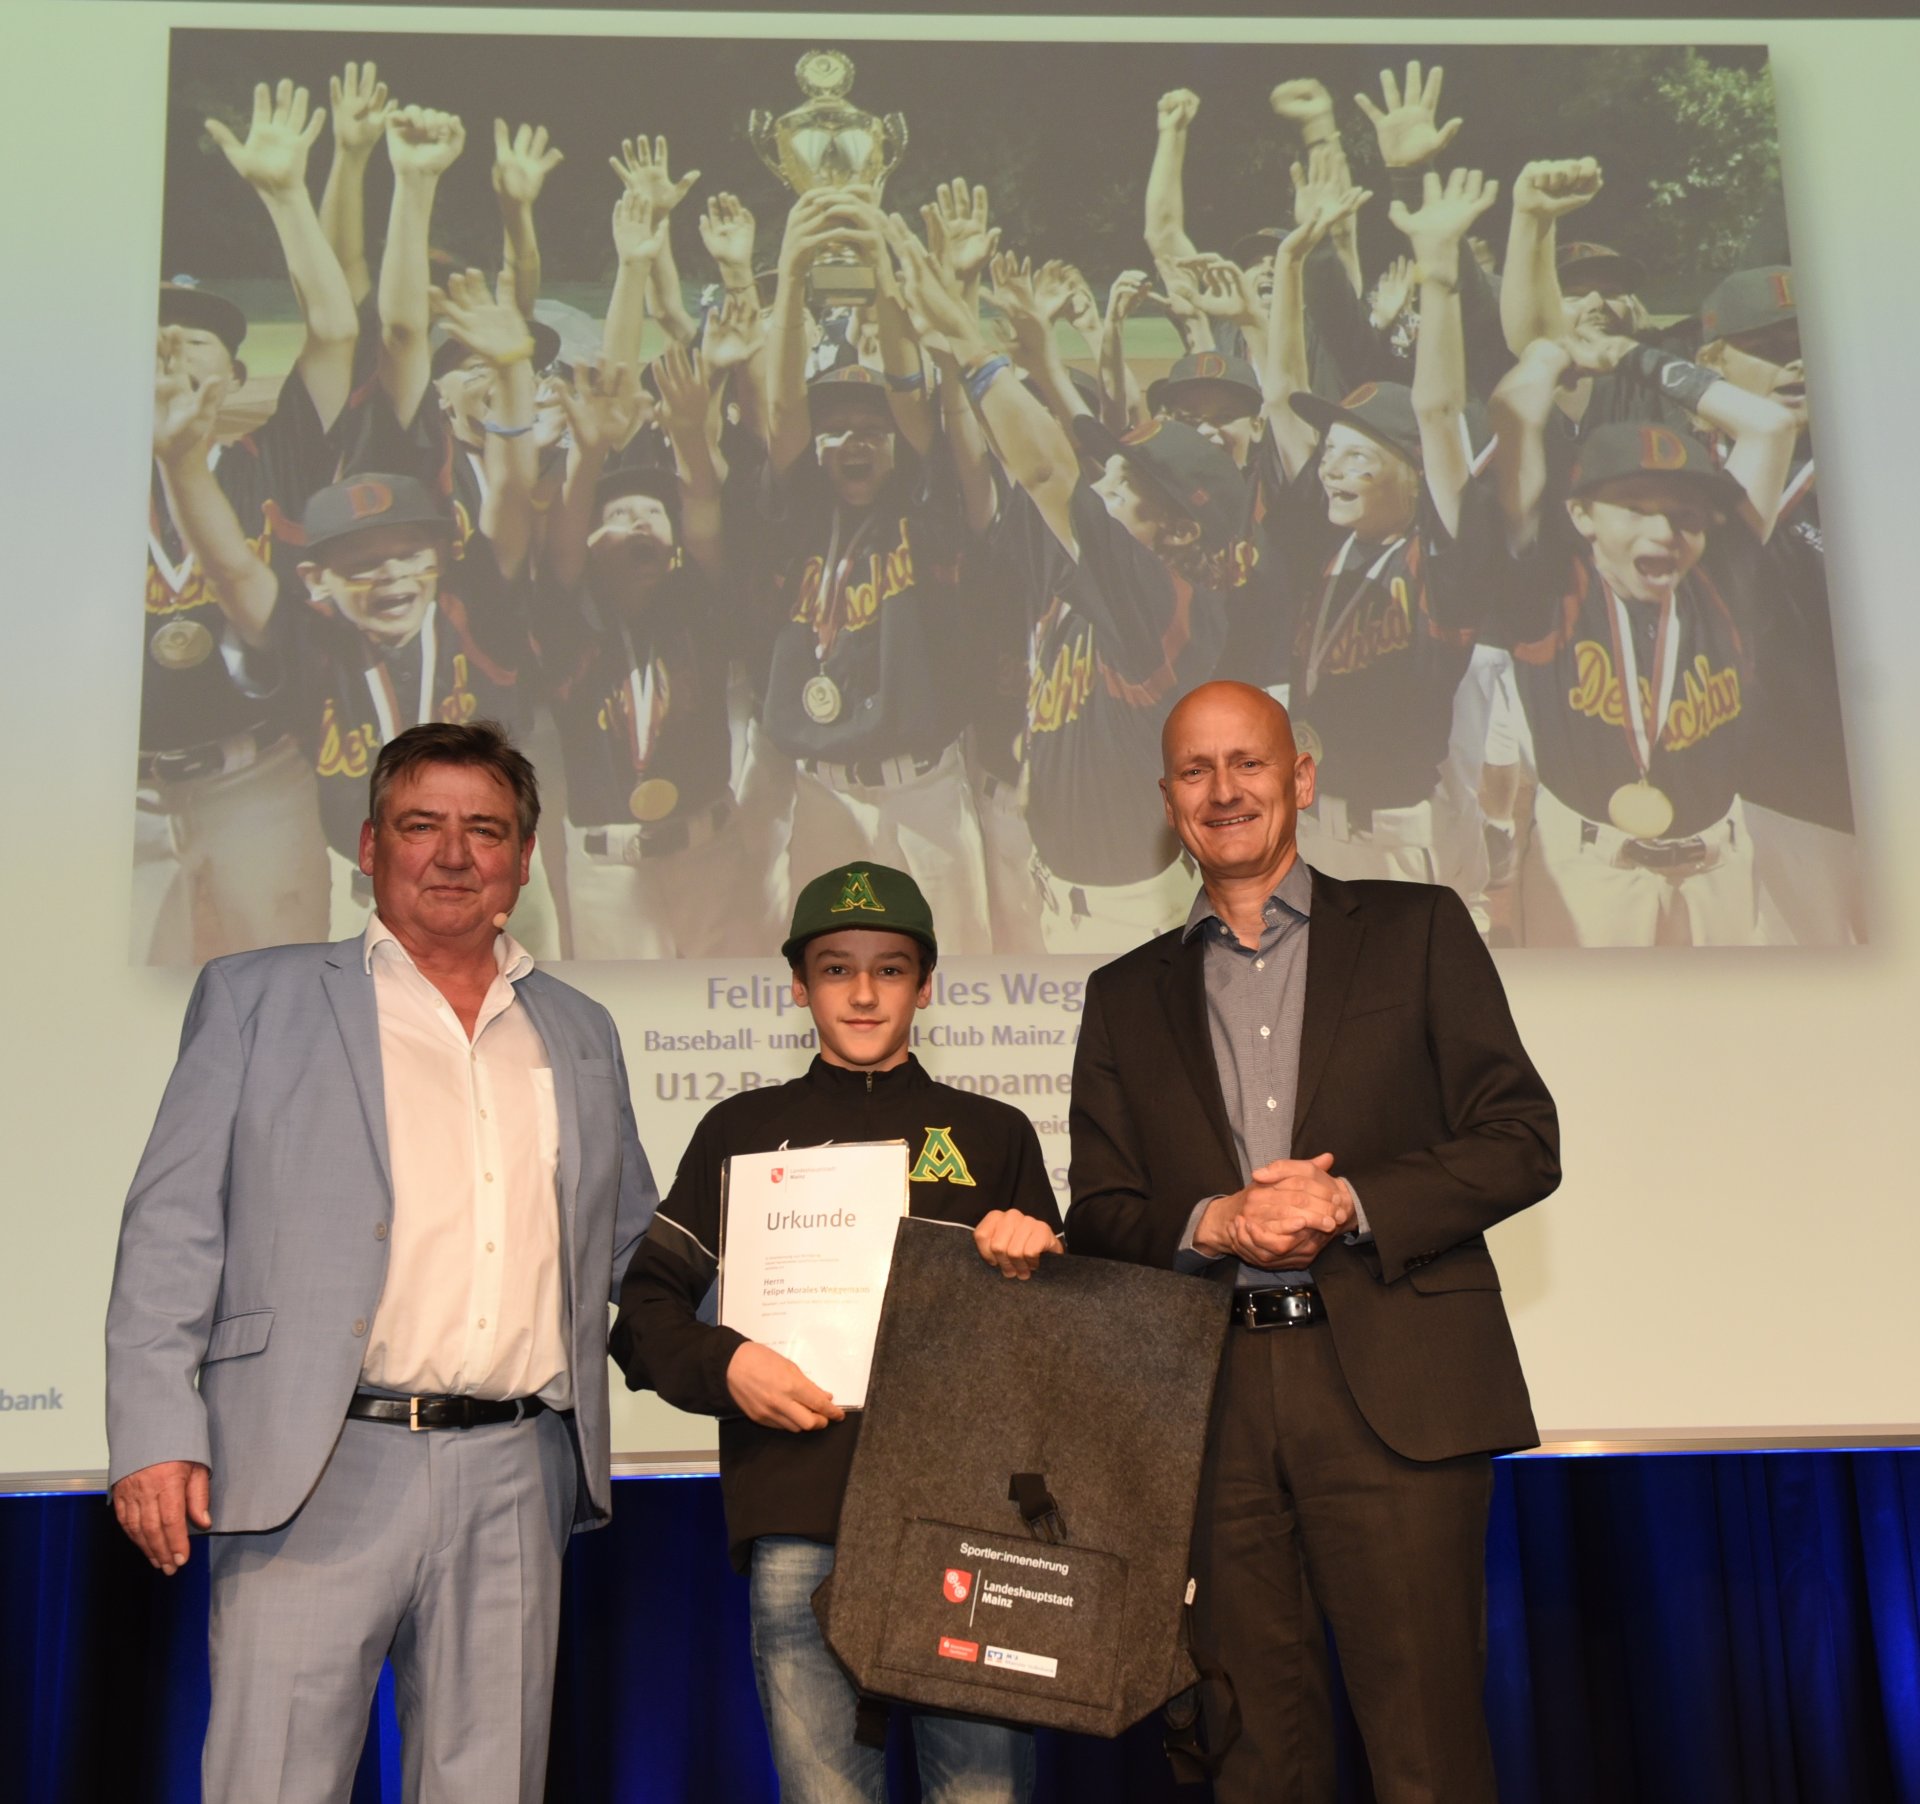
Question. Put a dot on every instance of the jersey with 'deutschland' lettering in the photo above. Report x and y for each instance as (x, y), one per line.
(347, 695)
(874, 600)
(1380, 634)
(1565, 632)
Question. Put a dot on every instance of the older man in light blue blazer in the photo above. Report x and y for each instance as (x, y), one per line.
(358, 1321)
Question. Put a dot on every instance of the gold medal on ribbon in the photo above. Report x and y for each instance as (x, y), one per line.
(1640, 810)
(653, 799)
(181, 644)
(1306, 740)
(821, 699)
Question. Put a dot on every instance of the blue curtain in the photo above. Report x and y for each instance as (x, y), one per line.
(1725, 1629)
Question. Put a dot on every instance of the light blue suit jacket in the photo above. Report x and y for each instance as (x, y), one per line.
(254, 1244)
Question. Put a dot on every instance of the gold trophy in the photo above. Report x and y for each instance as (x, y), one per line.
(828, 143)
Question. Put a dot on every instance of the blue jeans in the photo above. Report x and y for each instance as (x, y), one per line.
(809, 1702)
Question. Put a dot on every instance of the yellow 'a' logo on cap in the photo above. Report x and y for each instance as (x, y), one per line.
(857, 892)
(940, 1161)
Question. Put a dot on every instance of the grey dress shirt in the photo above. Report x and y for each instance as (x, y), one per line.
(1256, 1000)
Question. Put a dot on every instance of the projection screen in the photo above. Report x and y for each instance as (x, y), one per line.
(1727, 1260)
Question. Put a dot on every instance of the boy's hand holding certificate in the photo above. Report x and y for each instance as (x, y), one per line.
(807, 1241)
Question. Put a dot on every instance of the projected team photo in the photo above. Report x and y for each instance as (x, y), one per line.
(815, 453)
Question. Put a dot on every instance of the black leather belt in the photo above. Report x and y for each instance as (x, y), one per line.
(442, 1412)
(1284, 1306)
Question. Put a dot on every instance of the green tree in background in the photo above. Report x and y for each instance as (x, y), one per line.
(1723, 137)
(1691, 158)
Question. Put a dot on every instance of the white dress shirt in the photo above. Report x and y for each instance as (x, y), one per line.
(474, 1303)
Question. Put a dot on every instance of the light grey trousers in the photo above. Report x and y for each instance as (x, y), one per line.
(440, 1551)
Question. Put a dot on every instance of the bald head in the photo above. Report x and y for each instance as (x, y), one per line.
(1213, 705)
(1234, 784)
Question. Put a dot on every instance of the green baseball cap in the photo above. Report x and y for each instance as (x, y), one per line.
(860, 895)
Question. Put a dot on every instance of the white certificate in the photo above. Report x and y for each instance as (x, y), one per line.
(804, 1253)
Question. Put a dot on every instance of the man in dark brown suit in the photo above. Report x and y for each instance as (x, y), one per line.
(1314, 1091)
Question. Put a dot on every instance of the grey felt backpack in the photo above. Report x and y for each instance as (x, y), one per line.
(1014, 1538)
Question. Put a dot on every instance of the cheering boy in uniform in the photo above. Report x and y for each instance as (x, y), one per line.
(1631, 610)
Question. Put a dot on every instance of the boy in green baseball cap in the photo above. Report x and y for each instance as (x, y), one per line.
(861, 949)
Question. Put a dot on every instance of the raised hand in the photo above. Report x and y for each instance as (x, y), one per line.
(1222, 289)
(941, 317)
(604, 406)
(360, 109)
(868, 235)
(1176, 110)
(1013, 294)
(273, 160)
(184, 412)
(1302, 102)
(1632, 312)
(637, 235)
(522, 161)
(1445, 216)
(1593, 349)
(1064, 293)
(423, 143)
(1325, 215)
(965, 244)
(830, 216)
(486, 322)
(1130, 288)
(1407, 127)
(681, 377)
(1392, 292)
(643, 168)
(1180, 291)
(1324, 185)
(734, 331)
(726, 229)
(812, 224)
(1551, 190)
(1082, 310)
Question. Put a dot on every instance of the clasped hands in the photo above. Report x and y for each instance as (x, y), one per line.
(1287, 1212)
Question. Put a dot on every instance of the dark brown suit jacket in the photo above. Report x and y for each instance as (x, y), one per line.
(1413, 1076)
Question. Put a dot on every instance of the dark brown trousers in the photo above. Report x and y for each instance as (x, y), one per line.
(1308, 1518)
